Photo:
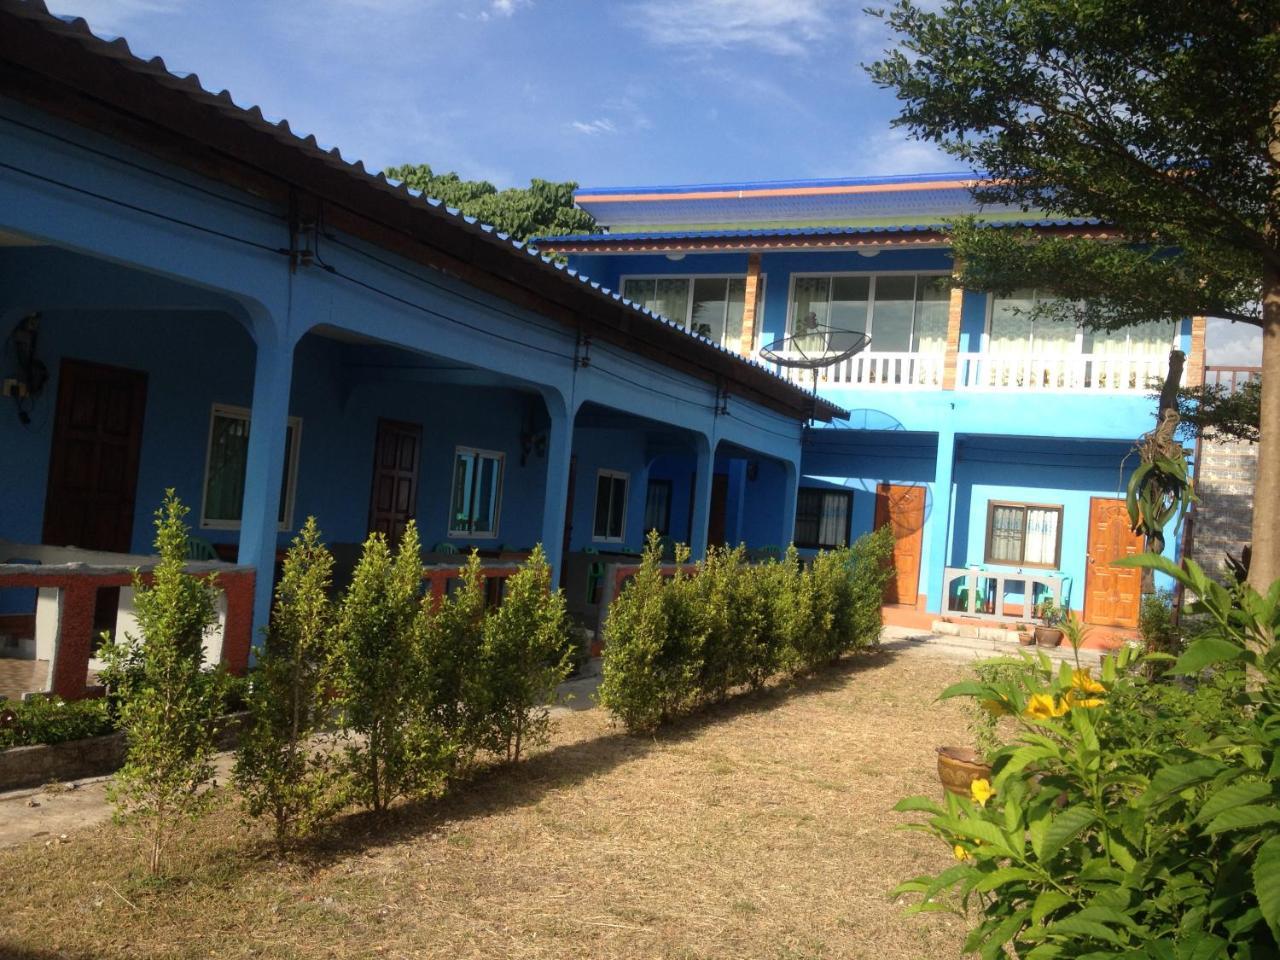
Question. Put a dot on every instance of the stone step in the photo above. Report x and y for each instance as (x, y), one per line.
(977, 648)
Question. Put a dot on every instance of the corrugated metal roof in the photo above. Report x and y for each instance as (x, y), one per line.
(154, 68)
(606, 238)
(753, 186)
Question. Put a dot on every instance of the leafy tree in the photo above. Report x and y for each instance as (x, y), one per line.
(1159, 117)
(279, 770)
(395, 750)
(168, 702)
(543, 208)
(526, 653)
(1213, 409)
(454, 685)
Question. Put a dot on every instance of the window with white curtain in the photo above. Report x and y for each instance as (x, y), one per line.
(822, 518)
(902, 312)
(1014, 329)
(1024, 534)
(712, 307)
(477, 493)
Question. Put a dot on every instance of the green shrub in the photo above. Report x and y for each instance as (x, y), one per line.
(26, 723)
(1133, 816)
(674, 644)
(281, 769)
(395, 748)
(168, 702)
(1155, 623)
(454, 686)
(526, 653)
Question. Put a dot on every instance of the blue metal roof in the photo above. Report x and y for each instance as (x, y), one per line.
(748, 186)
(606, 238)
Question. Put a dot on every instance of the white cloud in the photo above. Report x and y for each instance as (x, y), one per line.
(112, 16)
(594, 127)
(1230, 344)
(786, 27)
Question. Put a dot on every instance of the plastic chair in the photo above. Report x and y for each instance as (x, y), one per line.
(200, 550)
(444, 546)
(770, 553)
(595, 575)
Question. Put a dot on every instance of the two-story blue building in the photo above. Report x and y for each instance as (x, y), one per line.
(996, 444)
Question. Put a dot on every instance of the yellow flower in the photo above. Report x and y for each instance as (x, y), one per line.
(1087, 703)
(960, 852)
(981, 791)
(997, 708)
(1041, 706)
(1082, 680)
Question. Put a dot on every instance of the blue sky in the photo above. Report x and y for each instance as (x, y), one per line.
(604, 92)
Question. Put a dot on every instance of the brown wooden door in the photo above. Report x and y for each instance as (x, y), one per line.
(1112, 595)
(902, 507)
(394, 500)
(93, 461)
(719, 507)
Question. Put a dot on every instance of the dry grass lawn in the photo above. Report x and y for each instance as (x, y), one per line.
(761, 829)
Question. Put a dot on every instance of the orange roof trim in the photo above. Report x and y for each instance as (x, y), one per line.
(782, 191)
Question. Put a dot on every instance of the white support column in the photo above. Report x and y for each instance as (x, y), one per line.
(555, 502)
(259, 516)
(939, 519)
(701, 504)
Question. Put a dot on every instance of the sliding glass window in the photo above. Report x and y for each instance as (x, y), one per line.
(712, 307)
(902, 312)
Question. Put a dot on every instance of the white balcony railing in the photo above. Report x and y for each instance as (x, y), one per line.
(1084, 372)
(903, 371)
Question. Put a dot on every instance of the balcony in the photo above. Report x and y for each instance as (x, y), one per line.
(1071, 373)
(899, 371)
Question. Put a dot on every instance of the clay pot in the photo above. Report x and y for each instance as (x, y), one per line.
(1026, 637)
(958, 767)
(1048, 636)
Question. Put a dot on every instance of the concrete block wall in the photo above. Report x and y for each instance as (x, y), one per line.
(1223, 517)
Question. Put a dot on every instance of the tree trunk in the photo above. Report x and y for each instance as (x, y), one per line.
(1264, 565)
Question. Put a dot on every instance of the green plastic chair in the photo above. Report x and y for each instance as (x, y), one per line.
(444, 546)
(200, 550)
(595, 575)
(770, 553)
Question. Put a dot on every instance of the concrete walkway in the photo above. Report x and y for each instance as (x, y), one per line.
(52, 814)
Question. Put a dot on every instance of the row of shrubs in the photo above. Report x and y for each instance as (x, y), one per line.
(381, 693)
(26, 723)
(677, 641)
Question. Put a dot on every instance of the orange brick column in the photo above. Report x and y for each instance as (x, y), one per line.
(237, 637)
(70, 667)
(954, 310)
(1195, 360)
(751, 309)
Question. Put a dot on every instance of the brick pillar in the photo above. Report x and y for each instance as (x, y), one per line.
(70, 667)
(1195, 359)
(751, 309)
(954, 310)
(237, 635)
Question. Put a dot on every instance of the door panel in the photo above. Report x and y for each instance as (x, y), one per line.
(397, 453)
(93, 461)
(902, 507)
(1112, 595)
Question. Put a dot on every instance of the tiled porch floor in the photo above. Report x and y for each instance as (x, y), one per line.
(21, 676)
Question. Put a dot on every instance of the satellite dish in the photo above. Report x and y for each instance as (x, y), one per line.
(815, 347)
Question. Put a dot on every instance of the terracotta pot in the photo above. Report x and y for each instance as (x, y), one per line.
(958, 767)
(1026, 637)
(1048, 636)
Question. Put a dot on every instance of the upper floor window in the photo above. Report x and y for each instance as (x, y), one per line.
(711, 307)
(1014, 327)
(227, 457)
(902, 312)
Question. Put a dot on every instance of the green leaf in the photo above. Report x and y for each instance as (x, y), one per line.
(1266, 883)
(998, 878)
(965, 688)
(1200, 946)
(1062, 829)
(1233, 795)
(1175, 779)
(1087, 928)
(1046, 903)
(923, 804)
(1243, 818)
(1206, 652)
(976, 829)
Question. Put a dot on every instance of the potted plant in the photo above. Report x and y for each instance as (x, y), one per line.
(958, 767)
(1049, 631)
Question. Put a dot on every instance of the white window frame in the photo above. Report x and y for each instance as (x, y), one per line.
(687, 320)
(501, 457)
(227, 411)
(1174, 342)
(595, 505)
(871, 294)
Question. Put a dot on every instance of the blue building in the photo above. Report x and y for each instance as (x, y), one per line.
(193, 296)
(997, 445)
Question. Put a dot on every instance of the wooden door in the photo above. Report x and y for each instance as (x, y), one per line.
(93, 462)
(902, 507)
(719, 508)
(394, 500)
(1112, 595)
